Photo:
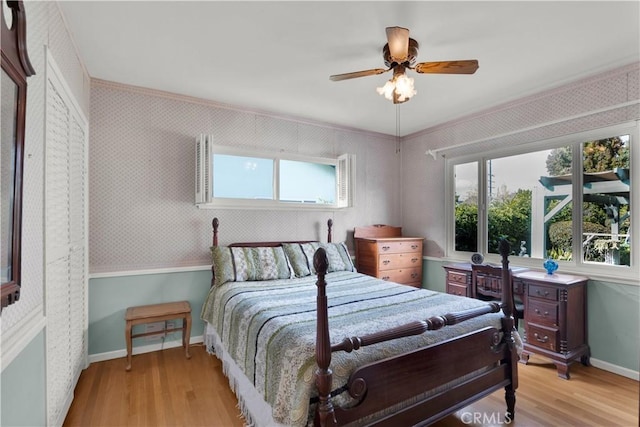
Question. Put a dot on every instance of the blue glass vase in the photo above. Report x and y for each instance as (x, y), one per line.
(550, 265)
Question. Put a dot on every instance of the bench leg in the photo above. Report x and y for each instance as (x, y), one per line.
(127, 333)
(186, 334)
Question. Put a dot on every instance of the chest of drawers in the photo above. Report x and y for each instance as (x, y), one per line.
(555, 318)
(394, 258)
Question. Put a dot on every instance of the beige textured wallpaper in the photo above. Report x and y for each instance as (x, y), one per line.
(142, 174)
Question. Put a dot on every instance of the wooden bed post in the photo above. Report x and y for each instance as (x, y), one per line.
(215, 223)
(329, 226)
(324, 415)
(508, 324)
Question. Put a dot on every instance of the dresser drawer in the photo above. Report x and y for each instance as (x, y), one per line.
(457, 277)
(455, 289)
(395, 247)
(402, 275)
(394, 261)
(542, 312)
(541, 336)
(545, 292)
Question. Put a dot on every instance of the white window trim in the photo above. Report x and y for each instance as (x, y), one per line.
(205, 149)
(596, 271)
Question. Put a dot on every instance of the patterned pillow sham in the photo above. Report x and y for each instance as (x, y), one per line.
(240, 264)
(339, 258)
(301, 257)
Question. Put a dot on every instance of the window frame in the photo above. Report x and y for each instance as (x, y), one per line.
(600, 271)
(344, 165)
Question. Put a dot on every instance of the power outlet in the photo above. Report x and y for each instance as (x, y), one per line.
(170, 324)
(154, 327)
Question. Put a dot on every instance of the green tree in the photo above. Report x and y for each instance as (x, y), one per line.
(467, 226)
(598, 156)
(605, 155)
(510, 217)
(559, 161)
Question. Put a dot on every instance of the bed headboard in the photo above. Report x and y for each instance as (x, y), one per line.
(216, 224)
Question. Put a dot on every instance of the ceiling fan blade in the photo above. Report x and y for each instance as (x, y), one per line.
(448, 67)
(398, 39)
(345, 76)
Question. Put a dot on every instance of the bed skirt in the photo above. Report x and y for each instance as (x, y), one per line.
(255, 411)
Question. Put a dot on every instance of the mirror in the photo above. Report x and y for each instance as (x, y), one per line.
(16, 67)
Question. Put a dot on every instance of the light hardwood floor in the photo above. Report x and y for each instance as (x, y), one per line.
(165, 389)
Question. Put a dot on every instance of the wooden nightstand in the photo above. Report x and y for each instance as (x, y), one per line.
(555, 318)
(382, 252)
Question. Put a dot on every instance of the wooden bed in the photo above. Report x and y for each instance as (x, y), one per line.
(417, 387)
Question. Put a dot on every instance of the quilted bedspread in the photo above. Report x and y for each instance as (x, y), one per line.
(268, 328)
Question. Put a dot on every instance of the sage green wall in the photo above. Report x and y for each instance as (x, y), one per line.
(613, 317)
(22, 387)
(109, 298)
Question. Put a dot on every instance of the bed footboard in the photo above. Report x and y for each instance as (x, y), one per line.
(425, 375)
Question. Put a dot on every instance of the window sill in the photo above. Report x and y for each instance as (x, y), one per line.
(272, 206)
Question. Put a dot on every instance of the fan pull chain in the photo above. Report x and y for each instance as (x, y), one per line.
(397, 128)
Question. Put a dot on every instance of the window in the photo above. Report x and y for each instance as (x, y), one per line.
(570, 200)
(466, 207)
(241, 177)
(230, 177)
(307, 182)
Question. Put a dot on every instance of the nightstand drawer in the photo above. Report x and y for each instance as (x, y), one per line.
(454, 289)
(395, 247)
(402, 275)
(545, 292)
(543, 312)
(541, 336)
(456, 277)
(394, 261)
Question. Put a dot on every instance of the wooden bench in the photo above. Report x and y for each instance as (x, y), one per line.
(158, 313)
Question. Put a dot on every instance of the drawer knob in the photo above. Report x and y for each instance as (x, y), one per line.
(386, 248)
(546, 293)
(385, 277)
(414, 246)
(541, 339)
(386, 261)
(546, 313)
(414, 275)
(414, 259)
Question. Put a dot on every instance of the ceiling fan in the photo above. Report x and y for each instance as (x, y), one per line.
(400, 54)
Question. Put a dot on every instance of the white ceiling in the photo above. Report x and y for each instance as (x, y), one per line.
(277, 56)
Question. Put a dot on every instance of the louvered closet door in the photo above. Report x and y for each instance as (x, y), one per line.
(65, 245)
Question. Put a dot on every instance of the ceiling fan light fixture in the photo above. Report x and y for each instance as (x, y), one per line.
(404, 87)
(399, 89)
(399, 54)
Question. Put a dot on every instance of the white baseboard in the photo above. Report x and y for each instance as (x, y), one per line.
(65, 407)
(116, 354)
(619, 370)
